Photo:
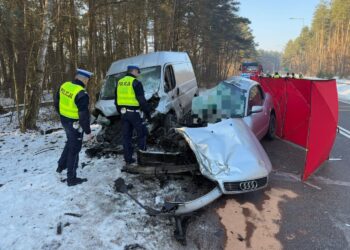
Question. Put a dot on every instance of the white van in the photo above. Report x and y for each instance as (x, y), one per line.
(166, 76)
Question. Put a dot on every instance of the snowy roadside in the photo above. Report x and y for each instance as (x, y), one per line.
(34, 200)
(7, 102)
(343, 87)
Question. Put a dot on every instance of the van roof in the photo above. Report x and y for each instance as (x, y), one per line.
(148, 60)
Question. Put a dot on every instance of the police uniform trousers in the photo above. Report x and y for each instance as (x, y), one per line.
(70, 155)
(132, 120)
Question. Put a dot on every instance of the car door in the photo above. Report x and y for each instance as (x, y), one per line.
(259, 120)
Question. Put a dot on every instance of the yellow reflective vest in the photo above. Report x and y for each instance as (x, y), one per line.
(125, 92)
(67, 106)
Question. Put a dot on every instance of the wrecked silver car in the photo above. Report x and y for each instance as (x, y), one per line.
(218, 138)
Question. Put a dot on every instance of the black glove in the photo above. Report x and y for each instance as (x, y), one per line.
(148, 118)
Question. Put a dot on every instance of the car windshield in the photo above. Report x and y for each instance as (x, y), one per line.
(251, 68)
(150, 78)
(223, 101)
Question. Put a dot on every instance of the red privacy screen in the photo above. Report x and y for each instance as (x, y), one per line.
(307, 115)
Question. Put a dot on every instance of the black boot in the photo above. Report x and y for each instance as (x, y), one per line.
(60, 168)
(75, 181)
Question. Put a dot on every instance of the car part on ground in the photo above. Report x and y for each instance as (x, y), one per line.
(121, 187)
(160, 169)
(228, 154)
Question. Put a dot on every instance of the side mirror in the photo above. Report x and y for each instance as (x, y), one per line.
(256, 109)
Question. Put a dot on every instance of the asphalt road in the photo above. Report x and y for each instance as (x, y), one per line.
(291, 214)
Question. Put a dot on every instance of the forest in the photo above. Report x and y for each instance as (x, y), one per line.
(43, 42)
(323, 49)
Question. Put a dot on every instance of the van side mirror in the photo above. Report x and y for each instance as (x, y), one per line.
(177, 91)
(256, 109)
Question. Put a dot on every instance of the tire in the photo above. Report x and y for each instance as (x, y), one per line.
(271, 132)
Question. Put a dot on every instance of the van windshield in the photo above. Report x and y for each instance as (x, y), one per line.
(150, 78)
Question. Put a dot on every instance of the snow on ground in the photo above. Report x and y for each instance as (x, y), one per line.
(6, 101)
(46, 97)
(343, 87)
(34, 200)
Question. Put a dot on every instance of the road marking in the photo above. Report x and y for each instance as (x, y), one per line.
(344, 132)
(294, 177)
(331, 182)
(346, 135)
(340, 224)
(347, 102)
(334, 159)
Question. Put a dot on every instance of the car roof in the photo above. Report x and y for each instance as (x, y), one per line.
(148, 60)
(250, 64)
(241, 82)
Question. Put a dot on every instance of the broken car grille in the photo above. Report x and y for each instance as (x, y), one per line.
(245, 185)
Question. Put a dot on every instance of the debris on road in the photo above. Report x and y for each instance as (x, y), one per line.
(73, 214)
(59, 228)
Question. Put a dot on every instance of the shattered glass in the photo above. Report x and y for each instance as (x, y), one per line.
(108, 89)
(150, 78)
(221, 102)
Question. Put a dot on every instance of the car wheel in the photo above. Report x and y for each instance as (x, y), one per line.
(271, 133)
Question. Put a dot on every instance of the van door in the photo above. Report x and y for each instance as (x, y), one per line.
(171, 90)
(186, 84)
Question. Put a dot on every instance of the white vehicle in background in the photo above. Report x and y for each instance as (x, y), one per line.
(167, 77)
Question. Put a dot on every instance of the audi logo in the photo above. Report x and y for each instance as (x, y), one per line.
(248, 185)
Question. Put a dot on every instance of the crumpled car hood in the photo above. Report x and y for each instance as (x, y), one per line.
(227, 151)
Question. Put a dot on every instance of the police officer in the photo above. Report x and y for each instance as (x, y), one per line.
(72, 103)
(276, 75)
(130, 101)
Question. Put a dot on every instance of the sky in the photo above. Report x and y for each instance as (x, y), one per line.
(271, 23)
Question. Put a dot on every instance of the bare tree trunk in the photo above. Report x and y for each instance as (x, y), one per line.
(34, 95)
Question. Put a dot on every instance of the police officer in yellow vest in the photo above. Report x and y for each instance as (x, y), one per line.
(130, 101)
(72, 103)
(276, 75)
